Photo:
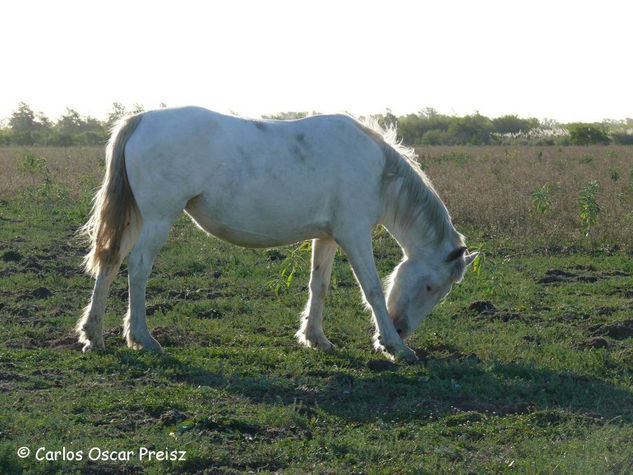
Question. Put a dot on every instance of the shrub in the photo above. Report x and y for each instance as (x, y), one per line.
(32, 164)
(60, 139)
(22, 138)
(5, 137)
(435, 137)
(92, 138)
(587, 134)
(511, 124)
(471, 130)
(622, 138)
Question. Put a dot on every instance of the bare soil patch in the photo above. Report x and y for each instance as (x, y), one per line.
(486, 310)
(593, 343)
(553, 276)
(617, 330)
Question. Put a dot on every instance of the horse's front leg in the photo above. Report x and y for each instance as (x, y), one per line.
(359, 251)
(311, 331)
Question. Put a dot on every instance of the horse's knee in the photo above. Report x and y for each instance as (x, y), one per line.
(139, 266)
(318, 289)
(373, 294)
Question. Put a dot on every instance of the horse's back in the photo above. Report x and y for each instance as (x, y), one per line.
(261, 180)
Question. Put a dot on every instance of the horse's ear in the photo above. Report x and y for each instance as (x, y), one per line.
(456, 253)
(470, 258)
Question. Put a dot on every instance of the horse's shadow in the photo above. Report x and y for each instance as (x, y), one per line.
(441, 387)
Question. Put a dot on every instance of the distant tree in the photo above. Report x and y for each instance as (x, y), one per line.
(413, 128)
(44, 121)
(428, 113)
(118, 112)
(512, 124)
(387, 120)
(60, 139)
(23, 119)
(622, 138)
(5, 137)
(137, 108)
(75, 129)
(471, 130)
(23, 137)
(70, 123)
(435, 137)
(587, 134)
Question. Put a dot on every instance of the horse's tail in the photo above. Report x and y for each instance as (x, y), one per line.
(114, 208)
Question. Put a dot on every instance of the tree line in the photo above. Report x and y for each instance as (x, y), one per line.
(26, 127)
(426, 127)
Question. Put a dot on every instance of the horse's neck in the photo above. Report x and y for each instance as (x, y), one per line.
(410, 238)
(425, 233)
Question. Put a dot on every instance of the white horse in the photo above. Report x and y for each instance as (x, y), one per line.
(270, 183)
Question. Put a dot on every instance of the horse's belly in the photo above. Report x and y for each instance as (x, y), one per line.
(256, 224)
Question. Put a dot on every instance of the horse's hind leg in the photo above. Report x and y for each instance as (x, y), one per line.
(90, 325)
(140, 262)
(311, 331)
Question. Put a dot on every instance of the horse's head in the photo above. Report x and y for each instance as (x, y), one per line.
(418, 283)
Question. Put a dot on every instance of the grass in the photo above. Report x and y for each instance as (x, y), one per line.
(527, 366)
(489, 192)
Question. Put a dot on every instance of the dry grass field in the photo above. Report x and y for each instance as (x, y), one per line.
(488, 190)
(67, 166)
(490, 193)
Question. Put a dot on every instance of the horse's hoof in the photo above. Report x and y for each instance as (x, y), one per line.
(153, 346)
(319, 343)
(149, 344)
(400, 353)
(406, 355)
(326, 346)
(93, 346)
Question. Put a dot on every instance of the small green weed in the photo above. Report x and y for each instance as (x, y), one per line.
(542, 198)
(589, 207)
(294, 262)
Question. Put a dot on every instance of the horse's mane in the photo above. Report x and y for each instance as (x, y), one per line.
(415, 194)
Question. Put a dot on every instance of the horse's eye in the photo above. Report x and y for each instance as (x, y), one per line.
(428, 288)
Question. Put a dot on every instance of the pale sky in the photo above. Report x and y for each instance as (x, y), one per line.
(564, 60)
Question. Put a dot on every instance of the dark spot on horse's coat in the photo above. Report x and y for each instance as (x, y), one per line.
(299, 154)
(301, 150)
(259, 124)
(243, 153)
(248, 160)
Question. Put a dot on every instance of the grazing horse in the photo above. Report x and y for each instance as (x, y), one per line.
(261, 183)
